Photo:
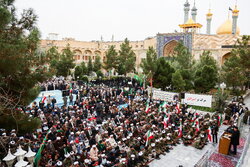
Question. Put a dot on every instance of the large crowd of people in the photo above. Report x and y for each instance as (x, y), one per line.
(112, 126)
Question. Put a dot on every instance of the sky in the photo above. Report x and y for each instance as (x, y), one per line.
(88, 20)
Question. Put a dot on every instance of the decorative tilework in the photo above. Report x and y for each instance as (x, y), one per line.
(163, 39)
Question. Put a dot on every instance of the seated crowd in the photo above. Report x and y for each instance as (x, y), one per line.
(107, 126)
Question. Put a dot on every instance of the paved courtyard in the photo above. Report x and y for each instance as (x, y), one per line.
(187, 156)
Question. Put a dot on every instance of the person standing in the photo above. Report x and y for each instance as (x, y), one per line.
(70, 99)
(65, 99)
(235, 139)
(214, 129)
(53, 102)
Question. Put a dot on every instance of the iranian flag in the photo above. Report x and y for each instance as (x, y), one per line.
(165, 121)
(177, 108)
(70, 88)
(180, 130)
(147, 107)
(220, 119)
(43, 99)
(92, 118)
(197, 126)
(209, 134)
(149, 136)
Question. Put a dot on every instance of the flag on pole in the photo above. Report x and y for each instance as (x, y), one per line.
(220, 119)
(197, 126)
(178, 109)
(149, 136)
(43, 99)
(165, 121)
(70, 88)
(147, 107)
(39, 152)
(180, 130)
(209, 134)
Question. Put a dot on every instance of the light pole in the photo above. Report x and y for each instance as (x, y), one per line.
(30, 156)
(9, 159)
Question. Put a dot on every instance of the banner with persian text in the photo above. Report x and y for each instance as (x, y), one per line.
(198, 100)
(165, 96)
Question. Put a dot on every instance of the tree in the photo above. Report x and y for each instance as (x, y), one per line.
(233, 73)
(52, 56)
(84, 68)
(126, 59)
(78, 72)
(97, 64)
(206, 75)
(111, 59)
(163, 74)
(65, 62)
(183, 61)
(90, 66)
(242, 50)
(149, 65)
(183, 56)
(177, 81)
(22, 66)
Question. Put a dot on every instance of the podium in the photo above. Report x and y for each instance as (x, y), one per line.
(224, 143)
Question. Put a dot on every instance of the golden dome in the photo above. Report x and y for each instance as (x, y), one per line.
(226, 28)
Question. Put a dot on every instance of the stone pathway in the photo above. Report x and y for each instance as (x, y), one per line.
(246, 162)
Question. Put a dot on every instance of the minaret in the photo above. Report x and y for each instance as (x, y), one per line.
(209, 19)
(194, 12)
(186, 11)
(235, 17)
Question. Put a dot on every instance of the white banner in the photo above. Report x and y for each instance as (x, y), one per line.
(198, 100)
(165, 96)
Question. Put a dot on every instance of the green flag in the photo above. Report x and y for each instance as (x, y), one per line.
(39, 152)
(139, 79)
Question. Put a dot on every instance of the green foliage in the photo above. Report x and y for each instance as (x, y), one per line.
(65, 63)
(23, 123)
(208, 109)
(90, 66)
(126, 59)
(149, 65)
(163, 74)
(206, 75)
(97, 64)
(183, 60)
(183, 57)
(99, 74)
(177, 81)
(242, 50)
(78, 72)
(233, 73)
(22, 65)
(220, 100)
(111, 59)
(84, 69)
